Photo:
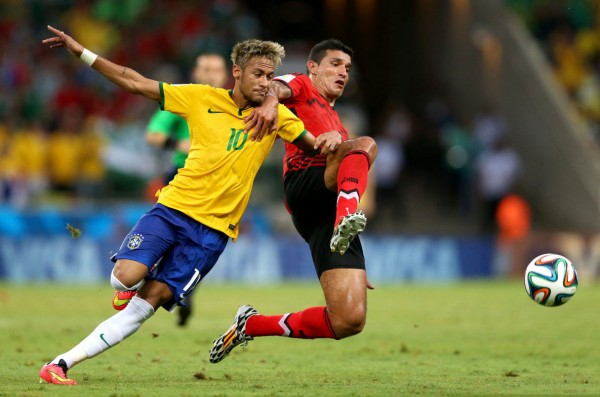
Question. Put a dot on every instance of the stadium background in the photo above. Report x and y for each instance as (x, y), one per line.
(473, 104)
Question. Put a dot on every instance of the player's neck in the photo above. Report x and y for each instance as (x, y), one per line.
(240, 101)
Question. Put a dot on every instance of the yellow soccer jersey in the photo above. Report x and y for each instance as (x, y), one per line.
(214, 185)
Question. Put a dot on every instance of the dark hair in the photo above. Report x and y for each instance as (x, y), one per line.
(318, 52)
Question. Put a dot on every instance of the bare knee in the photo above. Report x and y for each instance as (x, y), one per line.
(369, 145)
(349, 323)
(128, 273)
(363, 143)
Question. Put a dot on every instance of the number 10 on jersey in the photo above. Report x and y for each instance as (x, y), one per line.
(234, 140)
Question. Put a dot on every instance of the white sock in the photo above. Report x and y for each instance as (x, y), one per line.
(109, 333)
(119, 286)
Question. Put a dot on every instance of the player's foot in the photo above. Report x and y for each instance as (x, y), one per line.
(184, 312)
(235, 335)
(56, 374)
(122, 298)
(349, 227)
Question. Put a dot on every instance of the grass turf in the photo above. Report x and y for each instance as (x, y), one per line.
(476, 338)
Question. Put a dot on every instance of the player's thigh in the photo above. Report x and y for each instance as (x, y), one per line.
(307, 197)
(345, 293)
(193, 256)
(150, 239)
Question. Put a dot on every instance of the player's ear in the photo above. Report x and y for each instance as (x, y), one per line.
(312, 67)
(237, 72)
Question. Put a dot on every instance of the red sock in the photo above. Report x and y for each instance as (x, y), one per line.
(351, 182)
(310, 323)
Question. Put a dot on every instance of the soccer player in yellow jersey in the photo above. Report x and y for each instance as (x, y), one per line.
(196, 214)
(168, 130)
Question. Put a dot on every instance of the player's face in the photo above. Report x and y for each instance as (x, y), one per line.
(254, 81)
(211, 70)
(332, 73)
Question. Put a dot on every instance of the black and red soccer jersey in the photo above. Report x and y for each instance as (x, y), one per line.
(318, 117)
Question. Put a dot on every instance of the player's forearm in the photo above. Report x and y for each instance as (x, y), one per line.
(280, 91)
(327, 142)
(271, 100)
(306, 143)
(127, 78)
(124, 77)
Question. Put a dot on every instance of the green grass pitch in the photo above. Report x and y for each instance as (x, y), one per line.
(475, 338)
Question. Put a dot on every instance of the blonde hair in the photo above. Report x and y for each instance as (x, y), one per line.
(245, 50)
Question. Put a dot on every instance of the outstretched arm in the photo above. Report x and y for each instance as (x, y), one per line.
(122, 76)
(263, 119)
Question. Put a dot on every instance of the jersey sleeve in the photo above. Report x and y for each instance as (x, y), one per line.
(161, 123)
(297, 82)
(179, 98)
(290, 128)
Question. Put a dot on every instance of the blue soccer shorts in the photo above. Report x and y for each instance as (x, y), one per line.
(178, 250)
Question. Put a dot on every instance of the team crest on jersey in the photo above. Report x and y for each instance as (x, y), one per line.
(135, 240)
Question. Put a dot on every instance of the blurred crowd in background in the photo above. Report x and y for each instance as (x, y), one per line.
(65, 131)
(68, 136)
(568, 31)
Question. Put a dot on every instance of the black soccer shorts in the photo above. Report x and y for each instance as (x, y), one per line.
(313, 209)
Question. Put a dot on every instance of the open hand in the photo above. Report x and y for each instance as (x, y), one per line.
(61, 39)
(328, 142)
(263, 120)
